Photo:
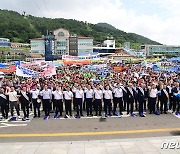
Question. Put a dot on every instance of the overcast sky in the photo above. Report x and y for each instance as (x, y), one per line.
(158, 20)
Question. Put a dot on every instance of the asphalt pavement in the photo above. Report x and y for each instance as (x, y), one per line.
(84, 129)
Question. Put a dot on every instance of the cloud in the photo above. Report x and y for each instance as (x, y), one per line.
(164, 29)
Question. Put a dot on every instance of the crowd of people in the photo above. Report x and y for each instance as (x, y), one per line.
(72, 92)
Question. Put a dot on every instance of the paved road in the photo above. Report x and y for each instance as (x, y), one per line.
(39, 130)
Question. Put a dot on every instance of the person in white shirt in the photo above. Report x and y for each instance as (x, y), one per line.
(46, 97)
(98, 95)
(35, 100)
(13, 100)
(152, 98)
(68, 97)
(58, 97)
(79, 98)
(118, 96)
(89, 97)
(108, 98)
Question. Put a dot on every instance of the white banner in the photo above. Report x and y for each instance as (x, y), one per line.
(24, 72)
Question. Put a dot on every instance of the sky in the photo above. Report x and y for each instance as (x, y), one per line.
(158, 20)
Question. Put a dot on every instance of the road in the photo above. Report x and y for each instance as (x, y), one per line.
(39, 130)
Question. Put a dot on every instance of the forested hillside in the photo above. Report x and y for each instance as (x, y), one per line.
(21, 28)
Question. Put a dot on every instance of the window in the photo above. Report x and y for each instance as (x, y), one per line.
(60, 34)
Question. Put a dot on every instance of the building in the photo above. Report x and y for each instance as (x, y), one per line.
(109, 43)
(85, 45)
(107, 47)
(61, 41)
(37, 46)
(4, 42)
(127, 45)
(34, 57)
(19, 45)
(151, 50)
(73, 45)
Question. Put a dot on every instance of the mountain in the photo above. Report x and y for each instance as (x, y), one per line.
(20, 28)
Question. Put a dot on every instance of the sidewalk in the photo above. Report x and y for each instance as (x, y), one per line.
(121, 146)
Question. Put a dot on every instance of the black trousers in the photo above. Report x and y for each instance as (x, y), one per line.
(170, 101)
(176, 104)
(12, 105)
(47, 106)
(59, 106)
(107, 106)
(163, 106)
(125, 102)
(36, 106)
(25, 108)
(89, 106)
(116, 102)
(98, 106)
(145, 104)
(4, 110)
(78, 105)
(136, 103)
(152, 104)
(68, 107)
(158, 102)
(141, 103)
(130, 103)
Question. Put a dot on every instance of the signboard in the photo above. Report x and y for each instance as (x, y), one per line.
(49, 48)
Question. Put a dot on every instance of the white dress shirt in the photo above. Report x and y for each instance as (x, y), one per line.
(153, 93)
(57, 94)
(68, 95)
(12, 96)
(89, 93)
(98, 94)
(35, 93)
(79, 93)
(118, 93)
(46, 94)
(108, 94)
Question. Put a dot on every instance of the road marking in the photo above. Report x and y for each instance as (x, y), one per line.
(91, 133)
(12, 125)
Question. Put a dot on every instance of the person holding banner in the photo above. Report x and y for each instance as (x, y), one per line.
(46, 98)
(25, 102)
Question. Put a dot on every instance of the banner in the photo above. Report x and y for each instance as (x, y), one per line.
(24, 72)
(48, 71)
